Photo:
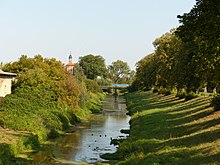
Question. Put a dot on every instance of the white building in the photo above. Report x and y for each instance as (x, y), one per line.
(5, 83)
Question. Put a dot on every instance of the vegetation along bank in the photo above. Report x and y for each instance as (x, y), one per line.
(45, 101)
(165, 129)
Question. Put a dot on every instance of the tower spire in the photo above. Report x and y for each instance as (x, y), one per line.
(70, 57)
(70, 65)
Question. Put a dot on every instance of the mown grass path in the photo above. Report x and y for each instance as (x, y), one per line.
(166, 130)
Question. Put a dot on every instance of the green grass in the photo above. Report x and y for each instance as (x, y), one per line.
(167, 130)
(30, 116)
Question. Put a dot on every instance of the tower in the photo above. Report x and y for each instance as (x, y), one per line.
(70, 65)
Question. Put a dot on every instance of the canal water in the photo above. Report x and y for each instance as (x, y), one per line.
(92, 138)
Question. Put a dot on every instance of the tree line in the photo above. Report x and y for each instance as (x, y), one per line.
(186, 58)
(94, 67)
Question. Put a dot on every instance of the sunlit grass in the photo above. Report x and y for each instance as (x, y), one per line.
(168, 130)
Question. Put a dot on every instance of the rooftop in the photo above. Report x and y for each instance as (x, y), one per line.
(7, 73)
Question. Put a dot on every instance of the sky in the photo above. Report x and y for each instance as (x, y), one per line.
(115, 29)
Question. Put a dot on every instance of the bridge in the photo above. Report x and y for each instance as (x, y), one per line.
(114, 87)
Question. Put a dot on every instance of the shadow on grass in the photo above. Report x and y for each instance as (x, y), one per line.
(187, 131)
(195, 139)
(148, 101)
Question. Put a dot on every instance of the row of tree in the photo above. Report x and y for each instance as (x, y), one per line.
(187, 57)
(94, 68)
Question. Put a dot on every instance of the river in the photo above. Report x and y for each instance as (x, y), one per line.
(91, 138)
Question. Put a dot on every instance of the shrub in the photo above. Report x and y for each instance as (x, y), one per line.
(7, 153)
(216, 102)
(161, 91)
(92, 86)
(165, 92)
(181, 95)
(190, 96)
(155, 90)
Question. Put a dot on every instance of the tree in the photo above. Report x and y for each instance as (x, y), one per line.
(119, 72)
(93, 66)
(1, 65)
(170, 66)
(46, 74)
(201, 26)
(146, 71)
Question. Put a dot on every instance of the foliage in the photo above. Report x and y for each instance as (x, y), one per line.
(6, 153)
(46, 100)
(93, 66)
(155, 90)
(187, 57)
(201, 26)
(216, 102)
(92, 86)
(28, 106)
(190, 96)
(163, 91)
(119, 72)
(181, 95)
(79, 73)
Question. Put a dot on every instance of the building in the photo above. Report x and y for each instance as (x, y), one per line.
(6, 83)
(70, 65)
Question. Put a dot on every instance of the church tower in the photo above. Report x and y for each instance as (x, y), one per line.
(70, 65)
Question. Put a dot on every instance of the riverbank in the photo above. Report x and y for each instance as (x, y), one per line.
(16, 145)
(91, 138)
(168, 130)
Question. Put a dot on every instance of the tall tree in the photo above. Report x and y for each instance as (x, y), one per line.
(93, 66)
(202, 27)
(46, 74)
(146, 73)
(119, 72)
(170, 66)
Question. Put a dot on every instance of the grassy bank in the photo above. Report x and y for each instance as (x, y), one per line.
(168, 130)
(27, 121)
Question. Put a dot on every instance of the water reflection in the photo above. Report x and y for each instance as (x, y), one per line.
(96, 136)
(93, 138)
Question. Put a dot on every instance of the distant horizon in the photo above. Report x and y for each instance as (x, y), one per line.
(116, 30)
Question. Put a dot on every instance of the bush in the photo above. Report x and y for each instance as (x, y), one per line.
(181, 95)
(161, 91)
(216, 102)
(165, 92)
(34, 110)
(7, 153)
(92, 86)
(190, 96)
(155, 90)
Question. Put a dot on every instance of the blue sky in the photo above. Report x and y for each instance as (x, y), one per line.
(115, 29)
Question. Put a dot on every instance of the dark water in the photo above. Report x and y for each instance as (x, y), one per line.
(92, 138)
